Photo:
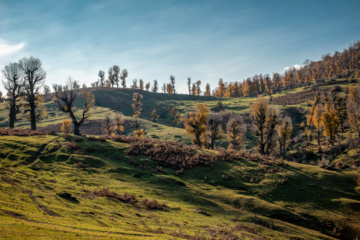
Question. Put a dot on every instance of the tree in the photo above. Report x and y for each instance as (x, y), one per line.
(118, 123)
(221, 88)
(264, 118)
(169, 89)
(247, 88)
(213, 126)
(147, 86)
(353, 109)
(207, 90)
(141, 84)
(172, 81)
(66, 127)
(235, 130)
(101, 75)
(268, 86)
(46, 90)
(108, 125)
(154, 115)
(284, 130)
(124, 75)
(164, 88)
(277, 81)
(189, 84)
(65, 98)
(317, 123)
(330, 120)
(195, 123)
(155, 87)
(175, 114)
(34, 78)
(137, 107)
(14, 86)
(134, 86)
(198, 90)
(116, 75)
(111, 76)
(193, 89)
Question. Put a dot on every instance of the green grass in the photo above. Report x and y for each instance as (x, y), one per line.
(35, 169)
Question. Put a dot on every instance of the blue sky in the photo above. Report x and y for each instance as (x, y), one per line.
(204, 40)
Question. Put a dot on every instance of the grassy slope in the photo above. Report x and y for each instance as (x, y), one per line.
(34, 169)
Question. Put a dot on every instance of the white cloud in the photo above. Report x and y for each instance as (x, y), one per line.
(296, 66)
(7, 49)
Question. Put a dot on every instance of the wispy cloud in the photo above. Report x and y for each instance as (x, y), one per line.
(8, 49)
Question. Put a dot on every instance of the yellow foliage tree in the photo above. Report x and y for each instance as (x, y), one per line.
(154, 115)
(235, 130)
(66, 127)
(284, 130)
(139, 133)
(118, 123)
(195, 123)
(353, 109)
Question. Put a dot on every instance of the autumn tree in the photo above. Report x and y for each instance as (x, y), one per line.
(147, 86)
(284, 130)
(155, 87)
(164, 88)
(213, 126)
(118, 123)
(137, 107)
(277, 81)
(141, 84)
(207, 90)
(169, 89)
(14, 86)
(268, 86)
(66, 127)
(193, 89)
(34, 78)
(124, 75)
(265, 118)
(221, 88)
(111, 76)
(175, 114)
(154, 115)
(235, 130)
(247, 88)
(65, 98)
(172, 82)
(198, 90)
(330, 120)
(101, 75)
(134, 86)
(189, 84)
(317, 122)
(195, 123)
(353, 109)
(108, 125)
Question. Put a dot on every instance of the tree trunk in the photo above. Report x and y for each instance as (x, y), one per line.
(77, 129)
(32, 117)
(212, 143)
(12, 116)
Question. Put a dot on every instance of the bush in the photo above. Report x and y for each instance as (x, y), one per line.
(19, 132)
(152, 204)
(72, 146)
(127, 198)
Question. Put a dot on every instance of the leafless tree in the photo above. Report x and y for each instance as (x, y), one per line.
(14, 87)
(101, 75)
(213, 126)
(34, 78)
(65, 99)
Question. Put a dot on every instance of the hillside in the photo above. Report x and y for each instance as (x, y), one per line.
(54, 188)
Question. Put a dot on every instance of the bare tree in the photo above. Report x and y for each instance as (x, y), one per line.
(235, 130)
(101, 75)
(155, 87)
(34, 78)
(213, 126)
(189, 84)
(116, 75)
(14, 86)
(124, 75)
(46, 90)
(65, 99)
(172, 81)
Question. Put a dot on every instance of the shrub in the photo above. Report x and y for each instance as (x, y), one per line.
(152, 204)
(78, 139)
(19, 132)
(66, 127)
(126, 197)
(72, 146)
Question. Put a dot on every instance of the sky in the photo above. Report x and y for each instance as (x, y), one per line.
(204, 39)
